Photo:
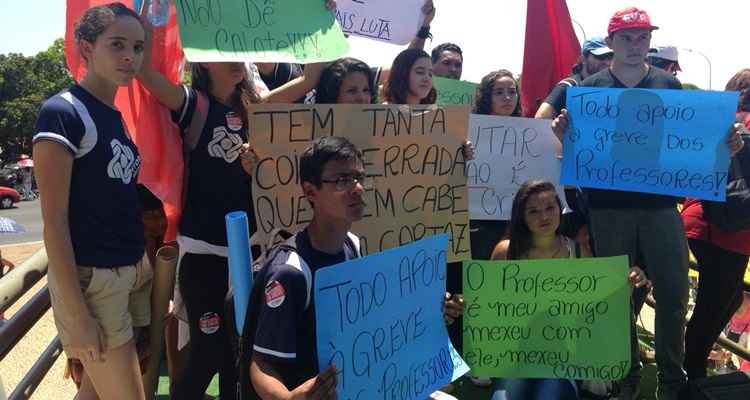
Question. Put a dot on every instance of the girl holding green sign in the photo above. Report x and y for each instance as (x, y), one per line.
(534, 234)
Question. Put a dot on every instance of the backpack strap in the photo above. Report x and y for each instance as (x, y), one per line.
(192, 135)
(295, 259)
(197, 122)
(353, 242)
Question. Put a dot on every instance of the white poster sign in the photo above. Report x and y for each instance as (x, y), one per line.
(392, 21)
(509, 151)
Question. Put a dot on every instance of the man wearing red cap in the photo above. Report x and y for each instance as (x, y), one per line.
(641, 224)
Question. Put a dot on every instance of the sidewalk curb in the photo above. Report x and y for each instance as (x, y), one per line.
(32, 243)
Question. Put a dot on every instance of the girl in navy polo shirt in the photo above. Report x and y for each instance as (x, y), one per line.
(213, 116)
(86, 169)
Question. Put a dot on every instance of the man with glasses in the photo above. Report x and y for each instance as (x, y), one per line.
(284, 362)
(595, 56)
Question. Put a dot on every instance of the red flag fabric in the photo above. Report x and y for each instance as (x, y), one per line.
(550, 51)
(148, 121)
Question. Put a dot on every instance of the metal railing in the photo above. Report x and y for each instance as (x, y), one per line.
(722, 341)
(12, 287)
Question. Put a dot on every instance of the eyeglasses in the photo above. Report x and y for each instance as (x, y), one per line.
(347, 182)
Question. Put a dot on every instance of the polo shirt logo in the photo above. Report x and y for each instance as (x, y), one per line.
(124, 163)
(225, 144)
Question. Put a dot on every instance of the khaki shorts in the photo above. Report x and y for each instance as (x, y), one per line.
(118, 298)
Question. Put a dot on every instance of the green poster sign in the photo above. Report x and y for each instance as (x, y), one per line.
(301, 31)
(453, 91)
(561, 318)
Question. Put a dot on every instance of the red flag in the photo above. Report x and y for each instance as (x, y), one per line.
(147, 120)
(550, 51)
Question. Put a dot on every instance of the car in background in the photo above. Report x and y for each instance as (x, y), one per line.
(8, 197)
(8, 176)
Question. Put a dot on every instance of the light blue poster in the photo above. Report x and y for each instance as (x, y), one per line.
(379, 319)
(669, 142)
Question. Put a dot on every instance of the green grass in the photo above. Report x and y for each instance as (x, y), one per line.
(463, 388)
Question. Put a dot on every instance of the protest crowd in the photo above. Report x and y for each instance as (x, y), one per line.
(338, 162)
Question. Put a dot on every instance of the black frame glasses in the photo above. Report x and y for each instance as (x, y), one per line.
(347, 182)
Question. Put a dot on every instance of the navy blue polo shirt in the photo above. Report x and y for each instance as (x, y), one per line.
(286, 320)
(104, 215)
(217, 184)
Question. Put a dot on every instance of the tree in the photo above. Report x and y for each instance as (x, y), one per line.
(25, 82)
(690, 86)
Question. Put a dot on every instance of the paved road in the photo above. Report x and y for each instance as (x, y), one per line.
(28, 214)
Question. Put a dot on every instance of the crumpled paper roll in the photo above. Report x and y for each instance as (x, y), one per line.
(161, 292)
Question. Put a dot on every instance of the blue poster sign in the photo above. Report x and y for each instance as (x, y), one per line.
(380, 321)
(670, 142)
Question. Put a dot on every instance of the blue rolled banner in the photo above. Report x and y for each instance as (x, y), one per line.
(240, 264)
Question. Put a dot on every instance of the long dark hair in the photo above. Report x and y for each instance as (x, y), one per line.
(740, 82)
(397, 87)
(327, 91)
(519, 235)
(243, 96)
(483, 97)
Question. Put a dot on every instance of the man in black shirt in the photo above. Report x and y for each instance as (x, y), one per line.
(447, 61)
(643, 224)
(595, 56)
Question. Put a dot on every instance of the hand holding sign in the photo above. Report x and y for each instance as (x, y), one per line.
(322, 386)
(669, 142)
(379, 320)
(562, 318)
(734, 140)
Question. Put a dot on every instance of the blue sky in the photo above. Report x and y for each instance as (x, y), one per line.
(491, 32)
(29, 26)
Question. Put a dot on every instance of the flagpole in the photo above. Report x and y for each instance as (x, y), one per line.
(710, 73)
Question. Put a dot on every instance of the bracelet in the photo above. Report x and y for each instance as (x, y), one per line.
(424, 32)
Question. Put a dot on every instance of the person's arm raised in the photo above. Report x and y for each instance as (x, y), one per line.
(168, 93)
(428, 9)
(297, 87)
